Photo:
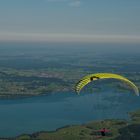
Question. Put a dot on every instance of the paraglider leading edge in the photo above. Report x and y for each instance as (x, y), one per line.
(92, 77)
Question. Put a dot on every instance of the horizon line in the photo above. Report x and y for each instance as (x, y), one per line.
(65, 37)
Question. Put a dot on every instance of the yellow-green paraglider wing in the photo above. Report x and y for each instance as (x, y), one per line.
(92, 77)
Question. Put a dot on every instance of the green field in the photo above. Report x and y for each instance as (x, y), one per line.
(34, 69)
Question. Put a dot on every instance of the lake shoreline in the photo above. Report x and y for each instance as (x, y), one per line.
(115, 126)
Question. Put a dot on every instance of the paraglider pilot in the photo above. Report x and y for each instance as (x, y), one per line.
(103, 131)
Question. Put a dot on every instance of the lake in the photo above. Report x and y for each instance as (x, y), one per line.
(49, 112)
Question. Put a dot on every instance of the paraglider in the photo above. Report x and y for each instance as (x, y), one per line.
(92, 77)
(99, 76)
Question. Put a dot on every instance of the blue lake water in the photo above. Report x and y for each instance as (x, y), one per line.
(28, 115)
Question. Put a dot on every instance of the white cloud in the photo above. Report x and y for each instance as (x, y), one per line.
(72, 3)
(76, 3)
(57, 0)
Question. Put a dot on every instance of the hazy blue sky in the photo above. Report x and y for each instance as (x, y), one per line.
(70, 19)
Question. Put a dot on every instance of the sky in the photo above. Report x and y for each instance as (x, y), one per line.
(70, 20)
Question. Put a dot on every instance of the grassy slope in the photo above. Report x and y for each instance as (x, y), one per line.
(119, 130)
